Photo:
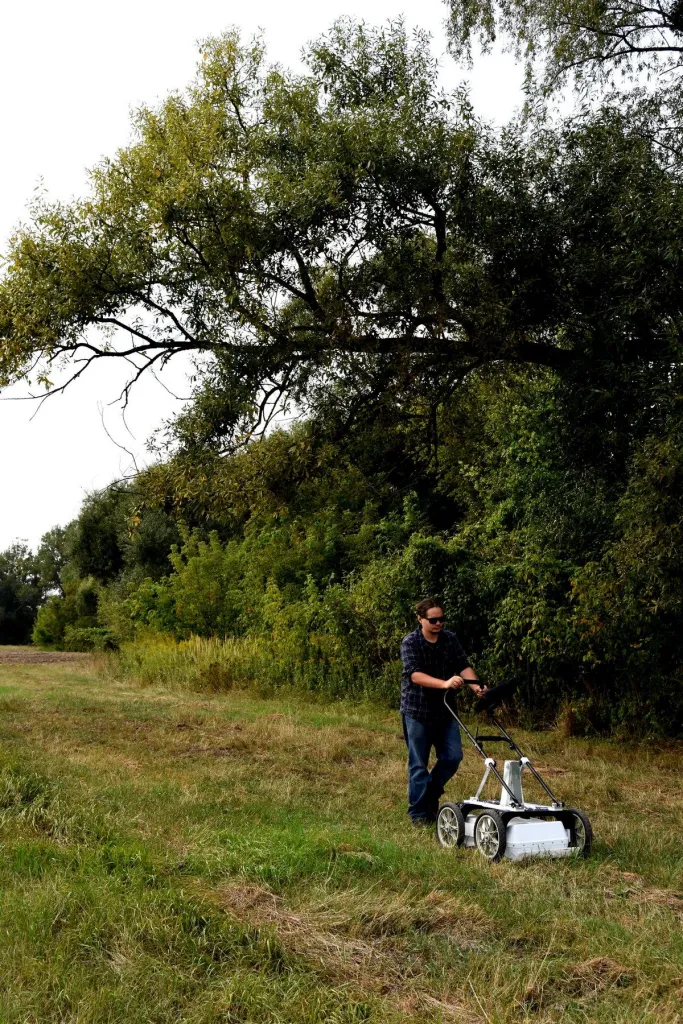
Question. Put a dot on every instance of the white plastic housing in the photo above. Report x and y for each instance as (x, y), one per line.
(528, 837)
(512, 775)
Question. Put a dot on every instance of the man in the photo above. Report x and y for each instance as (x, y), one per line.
(433, 662)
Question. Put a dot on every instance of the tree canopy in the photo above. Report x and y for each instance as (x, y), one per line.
(589, 42)
(348, 234)
(626, 53)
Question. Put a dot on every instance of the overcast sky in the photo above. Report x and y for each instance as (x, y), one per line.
(70, 73)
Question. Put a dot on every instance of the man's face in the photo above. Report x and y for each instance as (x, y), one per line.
(434, 627)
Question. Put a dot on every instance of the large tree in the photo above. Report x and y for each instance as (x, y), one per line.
(345, 234)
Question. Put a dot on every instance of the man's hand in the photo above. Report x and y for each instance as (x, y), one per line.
(454, 683)
(479, 689)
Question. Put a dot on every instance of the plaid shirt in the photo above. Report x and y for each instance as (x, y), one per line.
(442, 659)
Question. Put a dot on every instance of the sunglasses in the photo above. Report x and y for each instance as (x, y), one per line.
(433, 619)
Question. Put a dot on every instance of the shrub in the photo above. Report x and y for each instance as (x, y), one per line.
(90, 638)
(51, 621)
(76, 608)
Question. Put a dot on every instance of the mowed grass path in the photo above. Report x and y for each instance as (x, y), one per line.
(199, 858)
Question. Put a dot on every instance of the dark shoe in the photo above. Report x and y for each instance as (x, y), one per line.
(423, 822)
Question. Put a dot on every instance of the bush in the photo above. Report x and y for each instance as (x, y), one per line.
(92, 638)
(52, 619)
(77, 609)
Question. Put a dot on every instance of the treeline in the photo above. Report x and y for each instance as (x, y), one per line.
(546, 514)
(481, 329)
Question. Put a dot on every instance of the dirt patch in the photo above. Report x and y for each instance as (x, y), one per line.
(584, 981)
(597, 974)
(197, 750)
(636, 888)
(28, 656)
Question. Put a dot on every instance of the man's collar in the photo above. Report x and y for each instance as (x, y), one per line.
(424, 638)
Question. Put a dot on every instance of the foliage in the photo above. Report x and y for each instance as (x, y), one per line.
(111, 535)
(348, 238)
(42, 593)
(481, 331)
(20, 594)
(90, 638)
(76, 608)
(627, 54)
(265, 663)
(592, 41)
(52, 557)
(546, 513)
(51, 621)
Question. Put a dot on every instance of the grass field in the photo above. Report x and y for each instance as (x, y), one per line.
(227, 858)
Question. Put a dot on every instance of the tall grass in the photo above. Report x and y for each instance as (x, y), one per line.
(267, 664)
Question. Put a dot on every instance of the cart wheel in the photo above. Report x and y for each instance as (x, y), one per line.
(580, 831)
(489, 835)
(450, 825)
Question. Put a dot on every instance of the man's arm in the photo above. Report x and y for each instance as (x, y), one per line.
(422, 679)
(467, 675)
(411, 662)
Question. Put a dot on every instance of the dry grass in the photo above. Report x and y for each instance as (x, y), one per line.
(633, 887)
(356, 936)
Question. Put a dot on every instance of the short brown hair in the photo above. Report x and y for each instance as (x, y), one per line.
(423, 606)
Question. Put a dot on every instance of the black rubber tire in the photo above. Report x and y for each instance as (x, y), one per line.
(580, 831)
(483, 827)
(450, 826)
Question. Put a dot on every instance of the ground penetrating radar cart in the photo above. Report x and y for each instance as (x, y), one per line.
(510, 827)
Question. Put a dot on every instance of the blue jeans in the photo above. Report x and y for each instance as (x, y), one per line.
(425, 787)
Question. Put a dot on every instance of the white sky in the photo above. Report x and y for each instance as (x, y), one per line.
(70, 73)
